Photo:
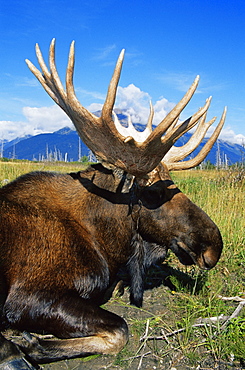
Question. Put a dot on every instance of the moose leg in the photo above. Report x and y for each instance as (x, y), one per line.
(11, 357)
(83, 328)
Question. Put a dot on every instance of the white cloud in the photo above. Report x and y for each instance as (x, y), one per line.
(134, 101)
(137, 104)
(94, 107)
(46, 119)
(227, 134)
(161, 108)
(49, 119)
(38, 120)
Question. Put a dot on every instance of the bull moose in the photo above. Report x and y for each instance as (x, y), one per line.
(63, 237)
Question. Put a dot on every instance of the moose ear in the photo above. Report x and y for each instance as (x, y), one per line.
(154, 196)
(157, 194)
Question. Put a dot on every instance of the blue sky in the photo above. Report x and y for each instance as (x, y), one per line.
(167, 42)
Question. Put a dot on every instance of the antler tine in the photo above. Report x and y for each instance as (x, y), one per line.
(57, 85)
(175, 112)
(130, 133)
(124, 131)
(176, 154)
(203, 152)
(70, 70)
(75, 110)
(150, 118)
(173, 135)
(185, 126)
(42, 64)
(49, 80)
(112, 89)
(172, 125)
(42, 77)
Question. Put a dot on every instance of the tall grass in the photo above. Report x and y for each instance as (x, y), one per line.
(11, 170)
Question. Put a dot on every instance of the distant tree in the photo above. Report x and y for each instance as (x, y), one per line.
(91, 157)
(243, 154)
(218, 157)
(1, 150)
(207, 165)
(84, 159)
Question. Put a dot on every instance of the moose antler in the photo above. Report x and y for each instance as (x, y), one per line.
(173, 159)
(132, 151)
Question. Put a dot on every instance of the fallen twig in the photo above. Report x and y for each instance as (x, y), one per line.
(146, 331)
(144, 338)
(213, 319)
(161, 337)
(234, 314)
(236, 298)
(165, 337)
(136, 356)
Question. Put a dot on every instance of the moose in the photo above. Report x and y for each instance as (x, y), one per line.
(64, 237)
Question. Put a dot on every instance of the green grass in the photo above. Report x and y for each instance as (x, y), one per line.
(196, 294)
(9, 170)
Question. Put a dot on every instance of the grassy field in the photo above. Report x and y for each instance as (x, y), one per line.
(174, 322)
(10, 170)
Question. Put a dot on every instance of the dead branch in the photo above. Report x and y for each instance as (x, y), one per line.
(210, 320)
(234, 314)
(144, 338)
(164, 337)
(236, 298)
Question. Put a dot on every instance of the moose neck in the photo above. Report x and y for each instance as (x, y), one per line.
(109, 199)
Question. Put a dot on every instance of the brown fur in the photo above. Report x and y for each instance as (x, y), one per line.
(63, 239)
